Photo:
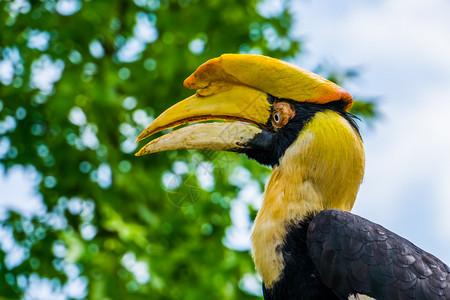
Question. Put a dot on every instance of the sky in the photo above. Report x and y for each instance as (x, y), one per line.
(402, 50)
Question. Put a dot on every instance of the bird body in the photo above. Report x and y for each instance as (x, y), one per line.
(318, 184)
(306, 243)
(336, 254)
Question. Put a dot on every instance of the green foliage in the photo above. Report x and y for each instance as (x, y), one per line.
(110, 222)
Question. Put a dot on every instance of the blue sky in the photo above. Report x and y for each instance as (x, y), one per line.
(402, 48)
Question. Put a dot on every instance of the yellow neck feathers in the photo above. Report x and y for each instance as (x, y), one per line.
(322, 169)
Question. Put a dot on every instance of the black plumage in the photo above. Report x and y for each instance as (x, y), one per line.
(300, 278)
(348, 255)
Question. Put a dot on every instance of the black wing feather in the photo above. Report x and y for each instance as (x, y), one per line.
(354, 255)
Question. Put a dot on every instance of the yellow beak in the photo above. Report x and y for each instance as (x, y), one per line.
(228, 103)
(236, 87)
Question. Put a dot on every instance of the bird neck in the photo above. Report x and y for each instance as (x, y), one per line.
(322, 169)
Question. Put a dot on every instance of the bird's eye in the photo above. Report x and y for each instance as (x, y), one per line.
(277, 117)
(282, 113)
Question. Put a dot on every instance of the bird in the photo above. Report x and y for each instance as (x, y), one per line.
(306, 243)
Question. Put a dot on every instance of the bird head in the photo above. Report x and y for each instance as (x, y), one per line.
(277, 114)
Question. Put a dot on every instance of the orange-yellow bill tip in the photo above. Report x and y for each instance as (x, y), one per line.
(273, 76)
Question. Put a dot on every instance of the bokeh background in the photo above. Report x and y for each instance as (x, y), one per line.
(81, 217)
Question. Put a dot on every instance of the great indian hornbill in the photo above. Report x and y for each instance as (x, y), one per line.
(306, 243)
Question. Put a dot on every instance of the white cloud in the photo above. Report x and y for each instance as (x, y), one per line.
(145, 29)
(6, 71)
(96, 49)
(68, 7)
(44, 73)
(38, 40)
(19, 192)
(77, 116)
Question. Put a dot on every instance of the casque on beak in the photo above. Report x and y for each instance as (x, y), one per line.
(235, 88)
(229, 103)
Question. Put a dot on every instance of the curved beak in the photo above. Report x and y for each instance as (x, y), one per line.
(235, 87)
(248, 106)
